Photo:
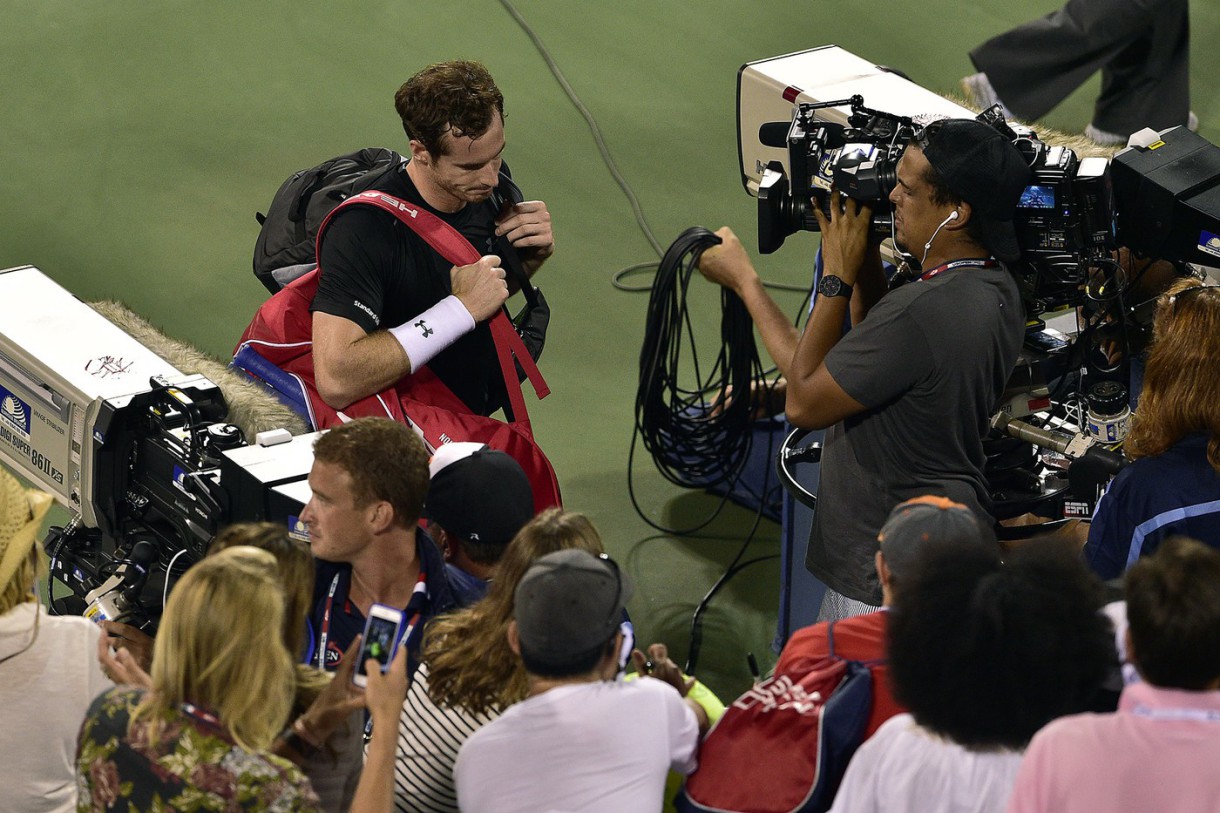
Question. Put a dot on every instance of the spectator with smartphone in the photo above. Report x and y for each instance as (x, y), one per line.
(469, 675)
(47, 673)
(368, 483)
(200, 734)
(325, 738)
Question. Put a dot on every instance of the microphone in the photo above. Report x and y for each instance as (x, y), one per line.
(774, 133)
(135, 569)
(1078, 446)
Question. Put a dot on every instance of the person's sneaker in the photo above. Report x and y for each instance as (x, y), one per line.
(979, 92)
(1108, 139)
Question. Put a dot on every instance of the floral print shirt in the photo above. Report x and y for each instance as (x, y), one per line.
(191, 766)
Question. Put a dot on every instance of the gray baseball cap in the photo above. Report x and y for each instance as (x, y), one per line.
(921, 521)
(570, 602)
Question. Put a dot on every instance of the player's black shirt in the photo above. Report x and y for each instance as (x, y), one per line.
(378, 273)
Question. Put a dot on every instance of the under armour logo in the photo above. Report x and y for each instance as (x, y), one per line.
(422, 325)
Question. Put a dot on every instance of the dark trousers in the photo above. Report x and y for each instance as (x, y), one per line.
(1140, 47)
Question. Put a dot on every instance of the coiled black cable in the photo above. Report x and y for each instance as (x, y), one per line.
(697, 438)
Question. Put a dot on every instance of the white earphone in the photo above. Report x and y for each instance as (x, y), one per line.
(928, 245)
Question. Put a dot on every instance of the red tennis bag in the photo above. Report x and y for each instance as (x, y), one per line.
(281, 333)
(783, 746)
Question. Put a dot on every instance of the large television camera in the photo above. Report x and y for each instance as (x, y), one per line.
(141, 453)
(824, 117)
(1161, 199)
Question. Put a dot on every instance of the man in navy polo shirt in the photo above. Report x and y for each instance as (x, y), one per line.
(369, 479)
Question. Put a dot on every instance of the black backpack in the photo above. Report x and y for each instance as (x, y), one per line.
(285, 248)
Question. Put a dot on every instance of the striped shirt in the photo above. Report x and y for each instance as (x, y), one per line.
(429, 737)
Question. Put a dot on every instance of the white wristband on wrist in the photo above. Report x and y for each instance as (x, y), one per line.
(433, 330)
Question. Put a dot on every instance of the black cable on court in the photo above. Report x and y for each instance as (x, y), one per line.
(692, 446)
(617, 280)
(697, 438)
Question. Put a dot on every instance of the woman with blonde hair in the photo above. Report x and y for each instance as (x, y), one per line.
(324, 738)
(223, 684)
(1172, 487)
(48, 675)
(469, 675)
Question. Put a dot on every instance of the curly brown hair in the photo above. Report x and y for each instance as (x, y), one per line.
(458, 97)
(470, 664)
(386, 461)
(1181, 393)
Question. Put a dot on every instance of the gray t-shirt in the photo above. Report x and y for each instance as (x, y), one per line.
(929, 362)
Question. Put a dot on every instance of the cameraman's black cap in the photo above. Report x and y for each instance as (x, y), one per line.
(984, 169)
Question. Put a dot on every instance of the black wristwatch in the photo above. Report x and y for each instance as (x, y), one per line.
(833, 286)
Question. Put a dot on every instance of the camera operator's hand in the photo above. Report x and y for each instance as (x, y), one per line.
(845, 236)
(480, 286)
(527, 225)
(136, 643)
(120, 665)
(727, 264)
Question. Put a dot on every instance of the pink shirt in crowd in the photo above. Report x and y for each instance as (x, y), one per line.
(1159, 752)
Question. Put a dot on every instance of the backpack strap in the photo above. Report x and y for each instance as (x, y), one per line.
(450, 244)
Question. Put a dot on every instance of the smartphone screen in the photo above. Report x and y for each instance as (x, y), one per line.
(380, 639)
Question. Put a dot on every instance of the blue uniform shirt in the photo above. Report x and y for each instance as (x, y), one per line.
(1172, 494)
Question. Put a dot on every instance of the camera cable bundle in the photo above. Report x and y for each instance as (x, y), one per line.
(694, 443)
(698, 434)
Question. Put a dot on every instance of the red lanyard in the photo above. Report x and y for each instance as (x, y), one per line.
(980, 262)
(421, 586)
(207, 718)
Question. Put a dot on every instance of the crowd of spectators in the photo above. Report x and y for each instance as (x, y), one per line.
(518, 701)
(999, 679)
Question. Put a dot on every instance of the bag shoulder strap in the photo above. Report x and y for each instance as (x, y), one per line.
(450, 244)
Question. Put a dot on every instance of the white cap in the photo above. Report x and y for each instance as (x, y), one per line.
(451, 453)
